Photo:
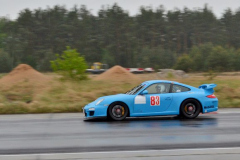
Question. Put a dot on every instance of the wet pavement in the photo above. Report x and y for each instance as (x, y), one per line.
(68, 133)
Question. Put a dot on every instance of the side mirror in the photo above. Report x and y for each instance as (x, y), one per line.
(145, 92)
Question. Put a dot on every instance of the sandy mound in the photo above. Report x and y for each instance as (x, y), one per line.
(117, 73)
(23, 73)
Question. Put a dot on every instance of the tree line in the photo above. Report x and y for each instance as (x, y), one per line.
(188, 39)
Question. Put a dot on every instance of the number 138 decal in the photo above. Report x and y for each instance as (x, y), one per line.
(155, 100)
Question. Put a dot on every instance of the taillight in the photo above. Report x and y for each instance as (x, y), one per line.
(211, 96)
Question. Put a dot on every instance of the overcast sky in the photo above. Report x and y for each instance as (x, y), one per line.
(11, 8)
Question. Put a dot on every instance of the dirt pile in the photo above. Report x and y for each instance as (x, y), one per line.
(171, 72)
(23, 73)
(117, 73)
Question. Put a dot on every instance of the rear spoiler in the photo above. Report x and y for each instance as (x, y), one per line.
(208, 87)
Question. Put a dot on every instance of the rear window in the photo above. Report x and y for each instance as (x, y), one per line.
(177, 88)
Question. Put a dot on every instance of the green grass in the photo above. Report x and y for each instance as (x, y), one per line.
(2, 74)
(227, 90)
(56, 96)
(60, 96)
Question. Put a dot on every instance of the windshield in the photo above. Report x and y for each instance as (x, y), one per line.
(135, 89)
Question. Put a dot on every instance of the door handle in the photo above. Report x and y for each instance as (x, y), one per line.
(168, 98)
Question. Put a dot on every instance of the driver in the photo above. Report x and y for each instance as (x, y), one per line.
(158, 89)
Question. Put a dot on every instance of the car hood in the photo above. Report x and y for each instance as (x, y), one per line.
(111, 98)
(114, 96)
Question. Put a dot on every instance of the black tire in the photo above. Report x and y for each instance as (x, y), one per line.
(118, 111)
(190, 109)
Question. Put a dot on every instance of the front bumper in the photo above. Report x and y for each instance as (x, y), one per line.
(99, 110)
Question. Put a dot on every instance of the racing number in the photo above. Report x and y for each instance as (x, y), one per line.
(155, 100)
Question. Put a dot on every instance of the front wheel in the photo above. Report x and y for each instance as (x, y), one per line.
(118, 111)
(190, 109)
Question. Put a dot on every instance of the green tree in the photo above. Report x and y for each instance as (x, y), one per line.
(237, 60)
(107, 58)
(153, 38)
(184, 63)
(70, 64)
(199, 55)
(219, 59)
(155, 57)
(2, 33)
(5, 62)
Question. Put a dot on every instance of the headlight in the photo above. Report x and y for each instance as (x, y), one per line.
(99, 102)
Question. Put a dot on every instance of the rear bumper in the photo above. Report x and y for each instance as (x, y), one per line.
(210, 105)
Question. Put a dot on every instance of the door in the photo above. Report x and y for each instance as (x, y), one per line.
(157, 100)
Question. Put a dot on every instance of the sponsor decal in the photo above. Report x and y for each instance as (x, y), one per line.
(155, 100)
(206, 107)
(140, 100)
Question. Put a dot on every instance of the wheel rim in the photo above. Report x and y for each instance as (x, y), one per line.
(190, 109)
(118, 111)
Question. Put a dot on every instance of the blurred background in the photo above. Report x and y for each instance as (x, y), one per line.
(56, 56)
(190, 42)
(205, 34)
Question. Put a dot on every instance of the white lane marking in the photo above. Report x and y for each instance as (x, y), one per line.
(223, 112)
(228, 112)
(137, 151)
(57, 116)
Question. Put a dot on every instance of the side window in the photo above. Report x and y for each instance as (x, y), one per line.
(177, 88)
(159, 88)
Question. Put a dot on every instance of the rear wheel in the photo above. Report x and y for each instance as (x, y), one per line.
(118, 111)
(190, 109)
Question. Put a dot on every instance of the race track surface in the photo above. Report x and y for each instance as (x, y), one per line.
(68, 133)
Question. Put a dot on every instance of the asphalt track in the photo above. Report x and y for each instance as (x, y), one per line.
(51, 134)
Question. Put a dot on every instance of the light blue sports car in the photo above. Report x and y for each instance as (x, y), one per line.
(155, 98)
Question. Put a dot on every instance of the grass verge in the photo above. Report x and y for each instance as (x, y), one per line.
(70, 96)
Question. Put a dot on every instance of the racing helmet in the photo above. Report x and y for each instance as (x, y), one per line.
(160, 88)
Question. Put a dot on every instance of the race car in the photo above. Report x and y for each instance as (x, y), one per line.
(155, 98)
